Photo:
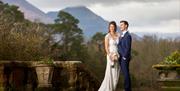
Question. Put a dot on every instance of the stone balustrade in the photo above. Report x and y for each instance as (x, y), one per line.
(67, 76)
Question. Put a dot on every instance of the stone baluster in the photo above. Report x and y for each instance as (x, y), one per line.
(1, 78)
(72, 77)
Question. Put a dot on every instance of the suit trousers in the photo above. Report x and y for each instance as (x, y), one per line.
(126, 75)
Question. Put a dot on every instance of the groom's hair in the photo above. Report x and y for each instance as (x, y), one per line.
(125, 22)
(113, 23)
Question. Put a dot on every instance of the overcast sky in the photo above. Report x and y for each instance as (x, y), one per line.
(143, 15)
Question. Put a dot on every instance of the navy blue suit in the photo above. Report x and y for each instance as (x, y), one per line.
(124, 49)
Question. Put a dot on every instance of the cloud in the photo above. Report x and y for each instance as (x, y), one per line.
(171, 26)
(47, 5)
(143, 15)
(140, 14)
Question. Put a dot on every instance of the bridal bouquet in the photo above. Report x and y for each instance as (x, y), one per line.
(114, 56)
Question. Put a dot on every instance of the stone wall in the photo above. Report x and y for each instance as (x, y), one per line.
(67, 76)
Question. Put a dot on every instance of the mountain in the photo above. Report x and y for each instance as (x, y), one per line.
(160, 35)
(90, 23)
(30, 12)
(135, 36)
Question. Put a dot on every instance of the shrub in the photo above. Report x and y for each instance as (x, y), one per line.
(172, 59)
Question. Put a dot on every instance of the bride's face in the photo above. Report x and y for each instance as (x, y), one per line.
(111, 28)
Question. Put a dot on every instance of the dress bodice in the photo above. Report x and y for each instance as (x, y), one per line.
(112, 43)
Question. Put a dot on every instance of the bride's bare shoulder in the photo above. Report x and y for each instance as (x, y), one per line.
(107, 35)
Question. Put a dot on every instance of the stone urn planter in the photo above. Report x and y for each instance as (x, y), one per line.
(169, 73)
(44, 71)
(169, 77)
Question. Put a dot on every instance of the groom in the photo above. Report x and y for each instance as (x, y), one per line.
(124, 49)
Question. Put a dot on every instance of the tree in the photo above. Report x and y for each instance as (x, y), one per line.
(98, 39)
(69, 38)
(20, 39)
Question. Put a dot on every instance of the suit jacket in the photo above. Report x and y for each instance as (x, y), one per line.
(124, 46)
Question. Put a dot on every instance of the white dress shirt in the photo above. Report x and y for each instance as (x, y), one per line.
(123, 33)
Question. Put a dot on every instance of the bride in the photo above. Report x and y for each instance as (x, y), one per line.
(112, 68)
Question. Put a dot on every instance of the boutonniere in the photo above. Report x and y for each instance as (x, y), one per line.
(122, 36)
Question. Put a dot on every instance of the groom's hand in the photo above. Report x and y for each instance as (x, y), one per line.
(123, 58)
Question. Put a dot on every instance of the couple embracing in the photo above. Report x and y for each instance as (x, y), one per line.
(118, 49)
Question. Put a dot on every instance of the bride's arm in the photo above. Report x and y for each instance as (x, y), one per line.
(106, 42)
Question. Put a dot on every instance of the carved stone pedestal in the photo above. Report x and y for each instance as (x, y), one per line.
(44, 75)
(169, 77)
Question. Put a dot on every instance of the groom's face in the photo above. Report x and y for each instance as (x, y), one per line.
(123, 26)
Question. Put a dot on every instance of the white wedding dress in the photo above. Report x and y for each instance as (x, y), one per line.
(112, 73)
